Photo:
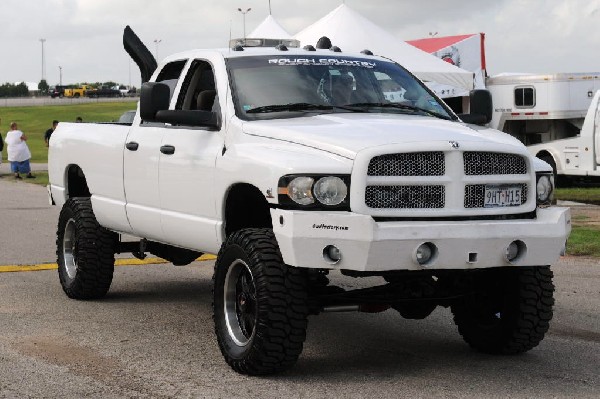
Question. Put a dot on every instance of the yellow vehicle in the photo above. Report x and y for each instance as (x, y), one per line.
(77, 91)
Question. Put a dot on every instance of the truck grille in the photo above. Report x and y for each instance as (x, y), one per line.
(405, 197)
(445, 182)
(475, 195)
(408, 164)
(493, 163)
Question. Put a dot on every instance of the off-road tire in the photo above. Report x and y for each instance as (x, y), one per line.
(509, 312)
(86, 257)
(278, 304)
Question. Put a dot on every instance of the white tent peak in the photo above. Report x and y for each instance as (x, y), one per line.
(353, 32)
(270, 29)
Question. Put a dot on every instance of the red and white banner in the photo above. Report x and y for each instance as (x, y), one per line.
(464, 51)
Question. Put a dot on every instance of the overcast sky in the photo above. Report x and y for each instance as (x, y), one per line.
(85, 36)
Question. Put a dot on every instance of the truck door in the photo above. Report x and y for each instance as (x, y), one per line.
(141, 159)
(187, 163)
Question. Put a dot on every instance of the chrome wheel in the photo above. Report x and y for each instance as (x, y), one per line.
(70, 248)
(240, 303)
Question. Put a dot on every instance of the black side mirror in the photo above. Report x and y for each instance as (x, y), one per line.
(154, 97)
(481, 108)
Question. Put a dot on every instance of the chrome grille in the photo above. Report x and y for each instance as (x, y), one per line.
(493, 163)
(475, 195)
(405, 197)
(408, 164)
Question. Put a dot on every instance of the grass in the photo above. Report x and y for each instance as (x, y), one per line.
(586, 195)
(584, 241)
(34, 121)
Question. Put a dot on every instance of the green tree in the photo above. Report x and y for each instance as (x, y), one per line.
(43, 86)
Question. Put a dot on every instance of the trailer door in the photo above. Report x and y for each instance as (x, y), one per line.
(596, 135)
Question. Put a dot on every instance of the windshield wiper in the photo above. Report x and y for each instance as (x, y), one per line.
(402, 106)
(289, 107)
(300, 107)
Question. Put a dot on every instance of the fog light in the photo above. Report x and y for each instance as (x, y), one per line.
(515, 251)
(425, 253)
(332, 254)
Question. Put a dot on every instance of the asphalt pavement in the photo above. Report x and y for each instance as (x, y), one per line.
(152, 336)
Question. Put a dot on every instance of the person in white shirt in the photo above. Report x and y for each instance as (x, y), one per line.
(18, 152)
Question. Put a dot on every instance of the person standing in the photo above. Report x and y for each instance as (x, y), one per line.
(18, 152)
(49, 132)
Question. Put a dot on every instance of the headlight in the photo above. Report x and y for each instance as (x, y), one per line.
(545, 189)
(314, 191)
(300, 190)
(330, 190)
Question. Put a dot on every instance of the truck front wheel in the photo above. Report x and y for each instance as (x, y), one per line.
(85, 251)
(509, 310)
(259, 304)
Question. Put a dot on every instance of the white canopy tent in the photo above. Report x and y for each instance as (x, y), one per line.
(270, 29)
(351, 31)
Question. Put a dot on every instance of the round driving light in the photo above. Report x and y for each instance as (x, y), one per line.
(512, 251)
(515, 251)
(425, 253)
(332, 254)
(330, 190)
(300, 190)
(544, 188)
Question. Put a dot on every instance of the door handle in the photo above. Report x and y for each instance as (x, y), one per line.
(167, 149)
(132, 146)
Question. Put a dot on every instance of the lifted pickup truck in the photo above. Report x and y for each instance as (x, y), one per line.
(291, 164)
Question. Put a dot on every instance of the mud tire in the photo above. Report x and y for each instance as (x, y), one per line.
(509, 312)
(85, 251)
(272, 307)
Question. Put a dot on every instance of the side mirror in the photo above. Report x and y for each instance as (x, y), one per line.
(154, 97)
(481, 108)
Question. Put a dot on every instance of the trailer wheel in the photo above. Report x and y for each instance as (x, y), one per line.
(85, 251)
(509, 311)
(259, 304)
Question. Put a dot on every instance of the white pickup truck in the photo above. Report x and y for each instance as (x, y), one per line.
(291, 164)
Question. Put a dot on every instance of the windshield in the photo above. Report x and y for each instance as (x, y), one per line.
(267, 87)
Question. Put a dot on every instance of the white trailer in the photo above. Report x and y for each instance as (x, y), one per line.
(556, 116)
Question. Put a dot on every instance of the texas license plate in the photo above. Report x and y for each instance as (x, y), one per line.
(505, 195)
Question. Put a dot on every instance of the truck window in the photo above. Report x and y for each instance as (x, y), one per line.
(525, 97)
(170, 73)
(198, 91)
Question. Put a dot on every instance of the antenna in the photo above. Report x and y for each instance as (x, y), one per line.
(230, 24)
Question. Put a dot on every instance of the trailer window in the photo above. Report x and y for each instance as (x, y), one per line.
(525, 97)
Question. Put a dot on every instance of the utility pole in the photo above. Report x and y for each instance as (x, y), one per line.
(43, 60)
(156, 41)
(244, 15)
(60, 75)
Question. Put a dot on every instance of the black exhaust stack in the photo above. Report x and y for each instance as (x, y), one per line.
(139, 53)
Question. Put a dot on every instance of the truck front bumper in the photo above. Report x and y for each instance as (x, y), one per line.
(366, 245)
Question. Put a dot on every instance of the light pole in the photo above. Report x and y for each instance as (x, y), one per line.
(43, 61)
(156, 41)
(60, 75)
(244, 16)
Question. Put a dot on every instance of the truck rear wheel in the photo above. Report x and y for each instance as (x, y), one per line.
(259, 304)
(509, 311)
(85, 251)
